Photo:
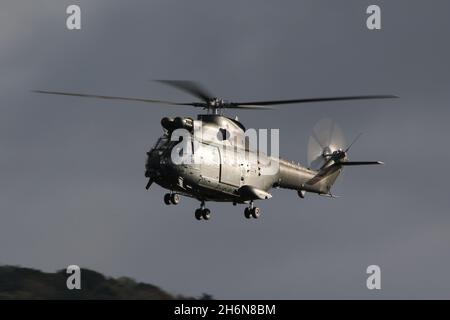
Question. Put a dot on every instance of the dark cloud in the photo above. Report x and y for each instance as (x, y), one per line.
(72, 176)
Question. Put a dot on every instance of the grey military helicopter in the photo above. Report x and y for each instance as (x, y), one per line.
(222, 166)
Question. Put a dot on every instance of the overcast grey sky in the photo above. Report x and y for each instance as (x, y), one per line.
(72, 170)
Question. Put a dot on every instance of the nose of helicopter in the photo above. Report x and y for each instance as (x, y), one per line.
(152, 165)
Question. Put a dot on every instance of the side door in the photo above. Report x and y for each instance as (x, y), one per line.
(231, 167)
(209, 161)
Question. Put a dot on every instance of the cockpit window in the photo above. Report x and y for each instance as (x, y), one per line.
(161, 141)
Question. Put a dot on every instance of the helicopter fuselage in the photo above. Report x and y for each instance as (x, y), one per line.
(219, 165)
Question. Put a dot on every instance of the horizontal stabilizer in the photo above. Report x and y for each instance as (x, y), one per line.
(360, 163)
(330, 170)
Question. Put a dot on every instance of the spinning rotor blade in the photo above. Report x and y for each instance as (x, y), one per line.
(208, 101)
(203, 94)
(327, 137)
(282, 102)
(193, 104)
(353, 142)
(190, 87)
(117, 98)
(248, 106)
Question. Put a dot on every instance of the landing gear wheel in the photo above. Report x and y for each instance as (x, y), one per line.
(198, 214)
(255, 212)
(247, 213)
(167, 199)
(175, 198)
(206, 214)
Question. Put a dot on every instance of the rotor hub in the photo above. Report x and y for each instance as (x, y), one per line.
(339, 154)
(216, 103)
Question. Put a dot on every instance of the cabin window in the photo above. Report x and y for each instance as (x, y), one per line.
(223, 134)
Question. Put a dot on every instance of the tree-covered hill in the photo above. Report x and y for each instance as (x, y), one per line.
(26, 283)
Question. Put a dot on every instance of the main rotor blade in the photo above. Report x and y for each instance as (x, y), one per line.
(190, 87)
(247, 106)
(281, 102)
(118, 98)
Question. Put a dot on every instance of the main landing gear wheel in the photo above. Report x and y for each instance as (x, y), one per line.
(202, 212)
(172, 198)
(255, 212)
(206, 214)
(247, 213)
(167, 198)
(175, 198)
(198, 214)
(252, 212)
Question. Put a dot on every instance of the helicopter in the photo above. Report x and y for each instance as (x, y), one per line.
(211, 159)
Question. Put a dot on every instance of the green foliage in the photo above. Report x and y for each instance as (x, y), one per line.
(26, 283)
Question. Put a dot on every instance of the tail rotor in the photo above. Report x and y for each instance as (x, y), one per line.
(326, 139)
(327, 154)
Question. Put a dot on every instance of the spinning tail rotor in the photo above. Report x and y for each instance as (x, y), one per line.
(327, 146)
(328, 154)
(327, 137)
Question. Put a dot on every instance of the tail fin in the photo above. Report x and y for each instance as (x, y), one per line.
(324, 179)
